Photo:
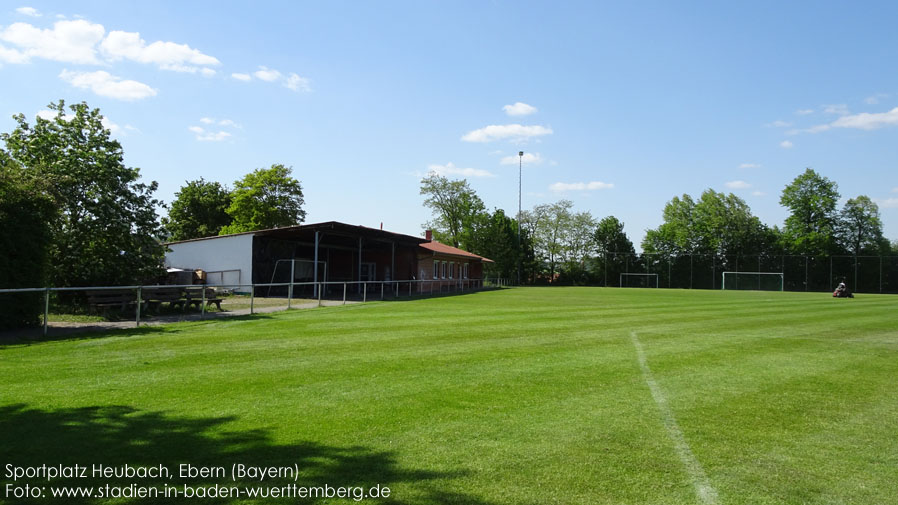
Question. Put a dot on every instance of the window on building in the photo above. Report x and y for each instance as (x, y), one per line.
(452, 270)
(436, 269)
(443, 272)
(466, 271)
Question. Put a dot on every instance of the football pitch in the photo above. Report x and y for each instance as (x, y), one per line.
(516, 396)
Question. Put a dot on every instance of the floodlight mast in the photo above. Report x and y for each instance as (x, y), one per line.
(520, 171)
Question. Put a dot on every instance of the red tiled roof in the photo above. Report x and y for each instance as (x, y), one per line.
(452, 251)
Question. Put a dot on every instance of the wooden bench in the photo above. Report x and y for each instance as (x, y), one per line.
(195, 297)
(155, 297)
(111, 298)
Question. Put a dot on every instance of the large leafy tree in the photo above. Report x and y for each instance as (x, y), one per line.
(497, 239)
(199, 210)
(456, 208)
(265, 198)
(609, 236)
(549, 225)
(106, 228)
(810, 228)
(859, 227)
(717, 223)
(676, 235)
(26, 212)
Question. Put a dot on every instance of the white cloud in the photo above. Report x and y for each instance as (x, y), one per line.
(267, 74)
(219, 122)
(737, 185)
(874, 99)
(207, 72)
(839, 109)
(68, 41)
(887, 203)
(867, 120)
(105, 84)
(778, 124)
(12, 56)
(49, 115)
(119, 45)
(519, 109)
(451, 169)
(29, 11)
(561, 187)
(514, 132)
(297, 83)
(786, 144)
(204, 135)
(804, 112)
(527, 159)
(112, 127)
(750, 165)
(242, 77)
(895, 190)
(758, 193)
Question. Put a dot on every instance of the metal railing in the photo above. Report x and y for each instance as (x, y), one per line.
(320, 293)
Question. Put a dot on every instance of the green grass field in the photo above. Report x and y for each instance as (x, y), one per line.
(519, 396)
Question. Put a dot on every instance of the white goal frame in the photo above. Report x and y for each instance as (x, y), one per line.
(637, 275)
(723, 279)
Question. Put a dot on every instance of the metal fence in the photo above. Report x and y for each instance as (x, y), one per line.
(862, 274)
(170, 303)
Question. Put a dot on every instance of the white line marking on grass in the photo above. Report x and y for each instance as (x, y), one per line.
(703, 489)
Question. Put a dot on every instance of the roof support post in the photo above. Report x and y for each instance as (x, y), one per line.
(315, 268)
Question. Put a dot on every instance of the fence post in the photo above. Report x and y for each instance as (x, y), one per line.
(409, 289)
(203, 304)
(397, 289)
(320, 289)
(344, 293)
(47, 301)
(289, 293)
(137, 325)
(252, 297)
(364, 292)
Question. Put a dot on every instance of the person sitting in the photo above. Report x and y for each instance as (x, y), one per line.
(842, 290)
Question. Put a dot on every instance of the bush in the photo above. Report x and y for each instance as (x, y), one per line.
(25, 212)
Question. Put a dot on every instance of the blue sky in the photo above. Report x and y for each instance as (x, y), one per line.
(619, 106)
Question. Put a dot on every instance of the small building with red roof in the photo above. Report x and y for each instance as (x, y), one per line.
(448, 267)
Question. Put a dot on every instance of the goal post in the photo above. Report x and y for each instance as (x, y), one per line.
(636, 280)
(753, 281)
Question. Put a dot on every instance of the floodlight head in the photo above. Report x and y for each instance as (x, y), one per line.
(520, 153)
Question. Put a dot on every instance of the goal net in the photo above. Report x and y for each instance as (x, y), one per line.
(755, 281)
(639, 280)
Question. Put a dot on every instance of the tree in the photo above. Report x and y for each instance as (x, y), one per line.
(676, 235)
(716, 224)
(859, 227)
(106, 229)
(265, 198)
(199, 210)
(497, 239)
(609, 236)
(456, 210)
(25, 215)
(549, 223)
(810, 227)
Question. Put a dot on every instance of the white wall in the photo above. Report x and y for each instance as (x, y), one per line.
(215, 254)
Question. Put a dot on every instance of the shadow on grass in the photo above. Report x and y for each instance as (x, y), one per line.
(90, 331)
(117, 436)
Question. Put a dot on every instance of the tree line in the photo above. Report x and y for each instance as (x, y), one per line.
(561, 245)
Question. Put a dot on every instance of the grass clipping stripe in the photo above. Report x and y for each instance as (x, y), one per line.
(703, 489)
